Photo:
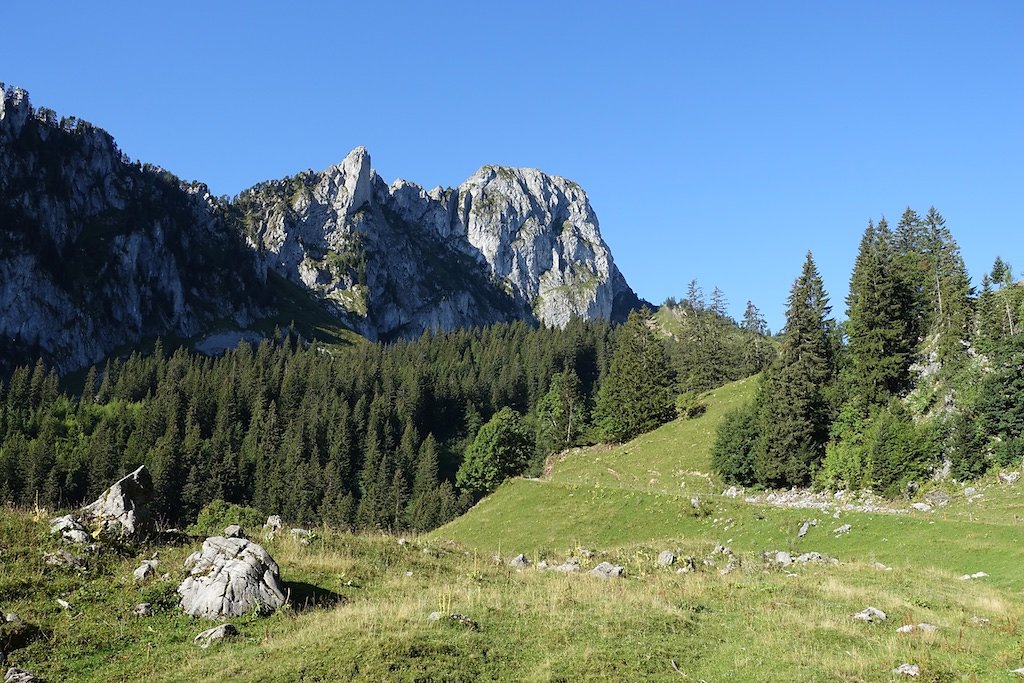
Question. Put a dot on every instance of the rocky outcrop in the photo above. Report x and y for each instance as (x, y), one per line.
(122, 511)
(396, 260)
(230, 577)
(120, 514)
(97, 252)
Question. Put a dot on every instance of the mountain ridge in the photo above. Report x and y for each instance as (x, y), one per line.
(388, 261)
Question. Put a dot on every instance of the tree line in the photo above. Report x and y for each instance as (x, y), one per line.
(924, 371)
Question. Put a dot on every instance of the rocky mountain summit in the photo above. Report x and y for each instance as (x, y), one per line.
(99, 253)
(395, 260)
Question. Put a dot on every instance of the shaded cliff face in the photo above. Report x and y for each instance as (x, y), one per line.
(397, 260)
(97, 253)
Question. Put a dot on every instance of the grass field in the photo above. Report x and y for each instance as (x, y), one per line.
(372, 596)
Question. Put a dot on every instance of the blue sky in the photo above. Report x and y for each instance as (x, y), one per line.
(717, 141)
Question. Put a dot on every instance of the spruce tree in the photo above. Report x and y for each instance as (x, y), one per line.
(879, 307)
(794, 415)
(637, 395)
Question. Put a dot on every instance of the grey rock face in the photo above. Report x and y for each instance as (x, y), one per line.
(233, 531)
(70, 529)
(230, 577)
(122, 512)
(100, 252)
(666, 558)
(506, 244)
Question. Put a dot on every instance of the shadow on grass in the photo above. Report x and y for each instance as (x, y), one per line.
(303, 596)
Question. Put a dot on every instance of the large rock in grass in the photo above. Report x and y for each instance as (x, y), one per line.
(230, 577)
(122, 512)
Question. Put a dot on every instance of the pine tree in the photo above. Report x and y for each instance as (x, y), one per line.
(424, 510)
(950, 290)
(794, 415)
(637, 395)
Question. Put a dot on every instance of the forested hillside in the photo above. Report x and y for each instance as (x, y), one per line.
(924, 376)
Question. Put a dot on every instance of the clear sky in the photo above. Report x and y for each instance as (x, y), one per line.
(717, 140)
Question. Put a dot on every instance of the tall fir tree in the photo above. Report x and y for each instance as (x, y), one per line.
(878, 309)
(794, 414)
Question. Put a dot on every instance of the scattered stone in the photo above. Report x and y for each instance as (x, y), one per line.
(912, 670)
(1009, 477)
(844, 529)
(806, 526)
(980, 621)
(272, 526)
(402, 541)
(1019, 672)
(975, 575)
(695, 502)
(146, 570)
(970, 491)
(586, 553)
(230, 577)
(667, 558)
(570, 565)
(63, 558)
(870, 615)
(204, 639)
(783, 558)
(881, 567)
(520, 561)
(233, 531)
(460, 619)
(607, 570)
(303, 536)
(64, 604)
(938, 498)
(463, 620)
(921, 507)
(122, 512)
(910, 628)
(543, 564)
(732, 492)
(16, 675)
(812, 556)
(143, 609)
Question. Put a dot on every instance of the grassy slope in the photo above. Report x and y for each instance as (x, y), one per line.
(628, 503)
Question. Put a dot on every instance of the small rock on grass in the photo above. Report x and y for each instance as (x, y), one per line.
(460, 619)
(607, 570)
(143, 609)
(666, 558)
(16, 675)
(910, 628)
(520, 561)
(844, 529)
(870, 615)
(216, 633)
(912, 670)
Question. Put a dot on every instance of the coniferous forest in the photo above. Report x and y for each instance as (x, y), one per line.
(924, 375)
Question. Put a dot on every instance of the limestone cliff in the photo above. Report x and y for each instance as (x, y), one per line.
(396, 260)
(97, 253)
